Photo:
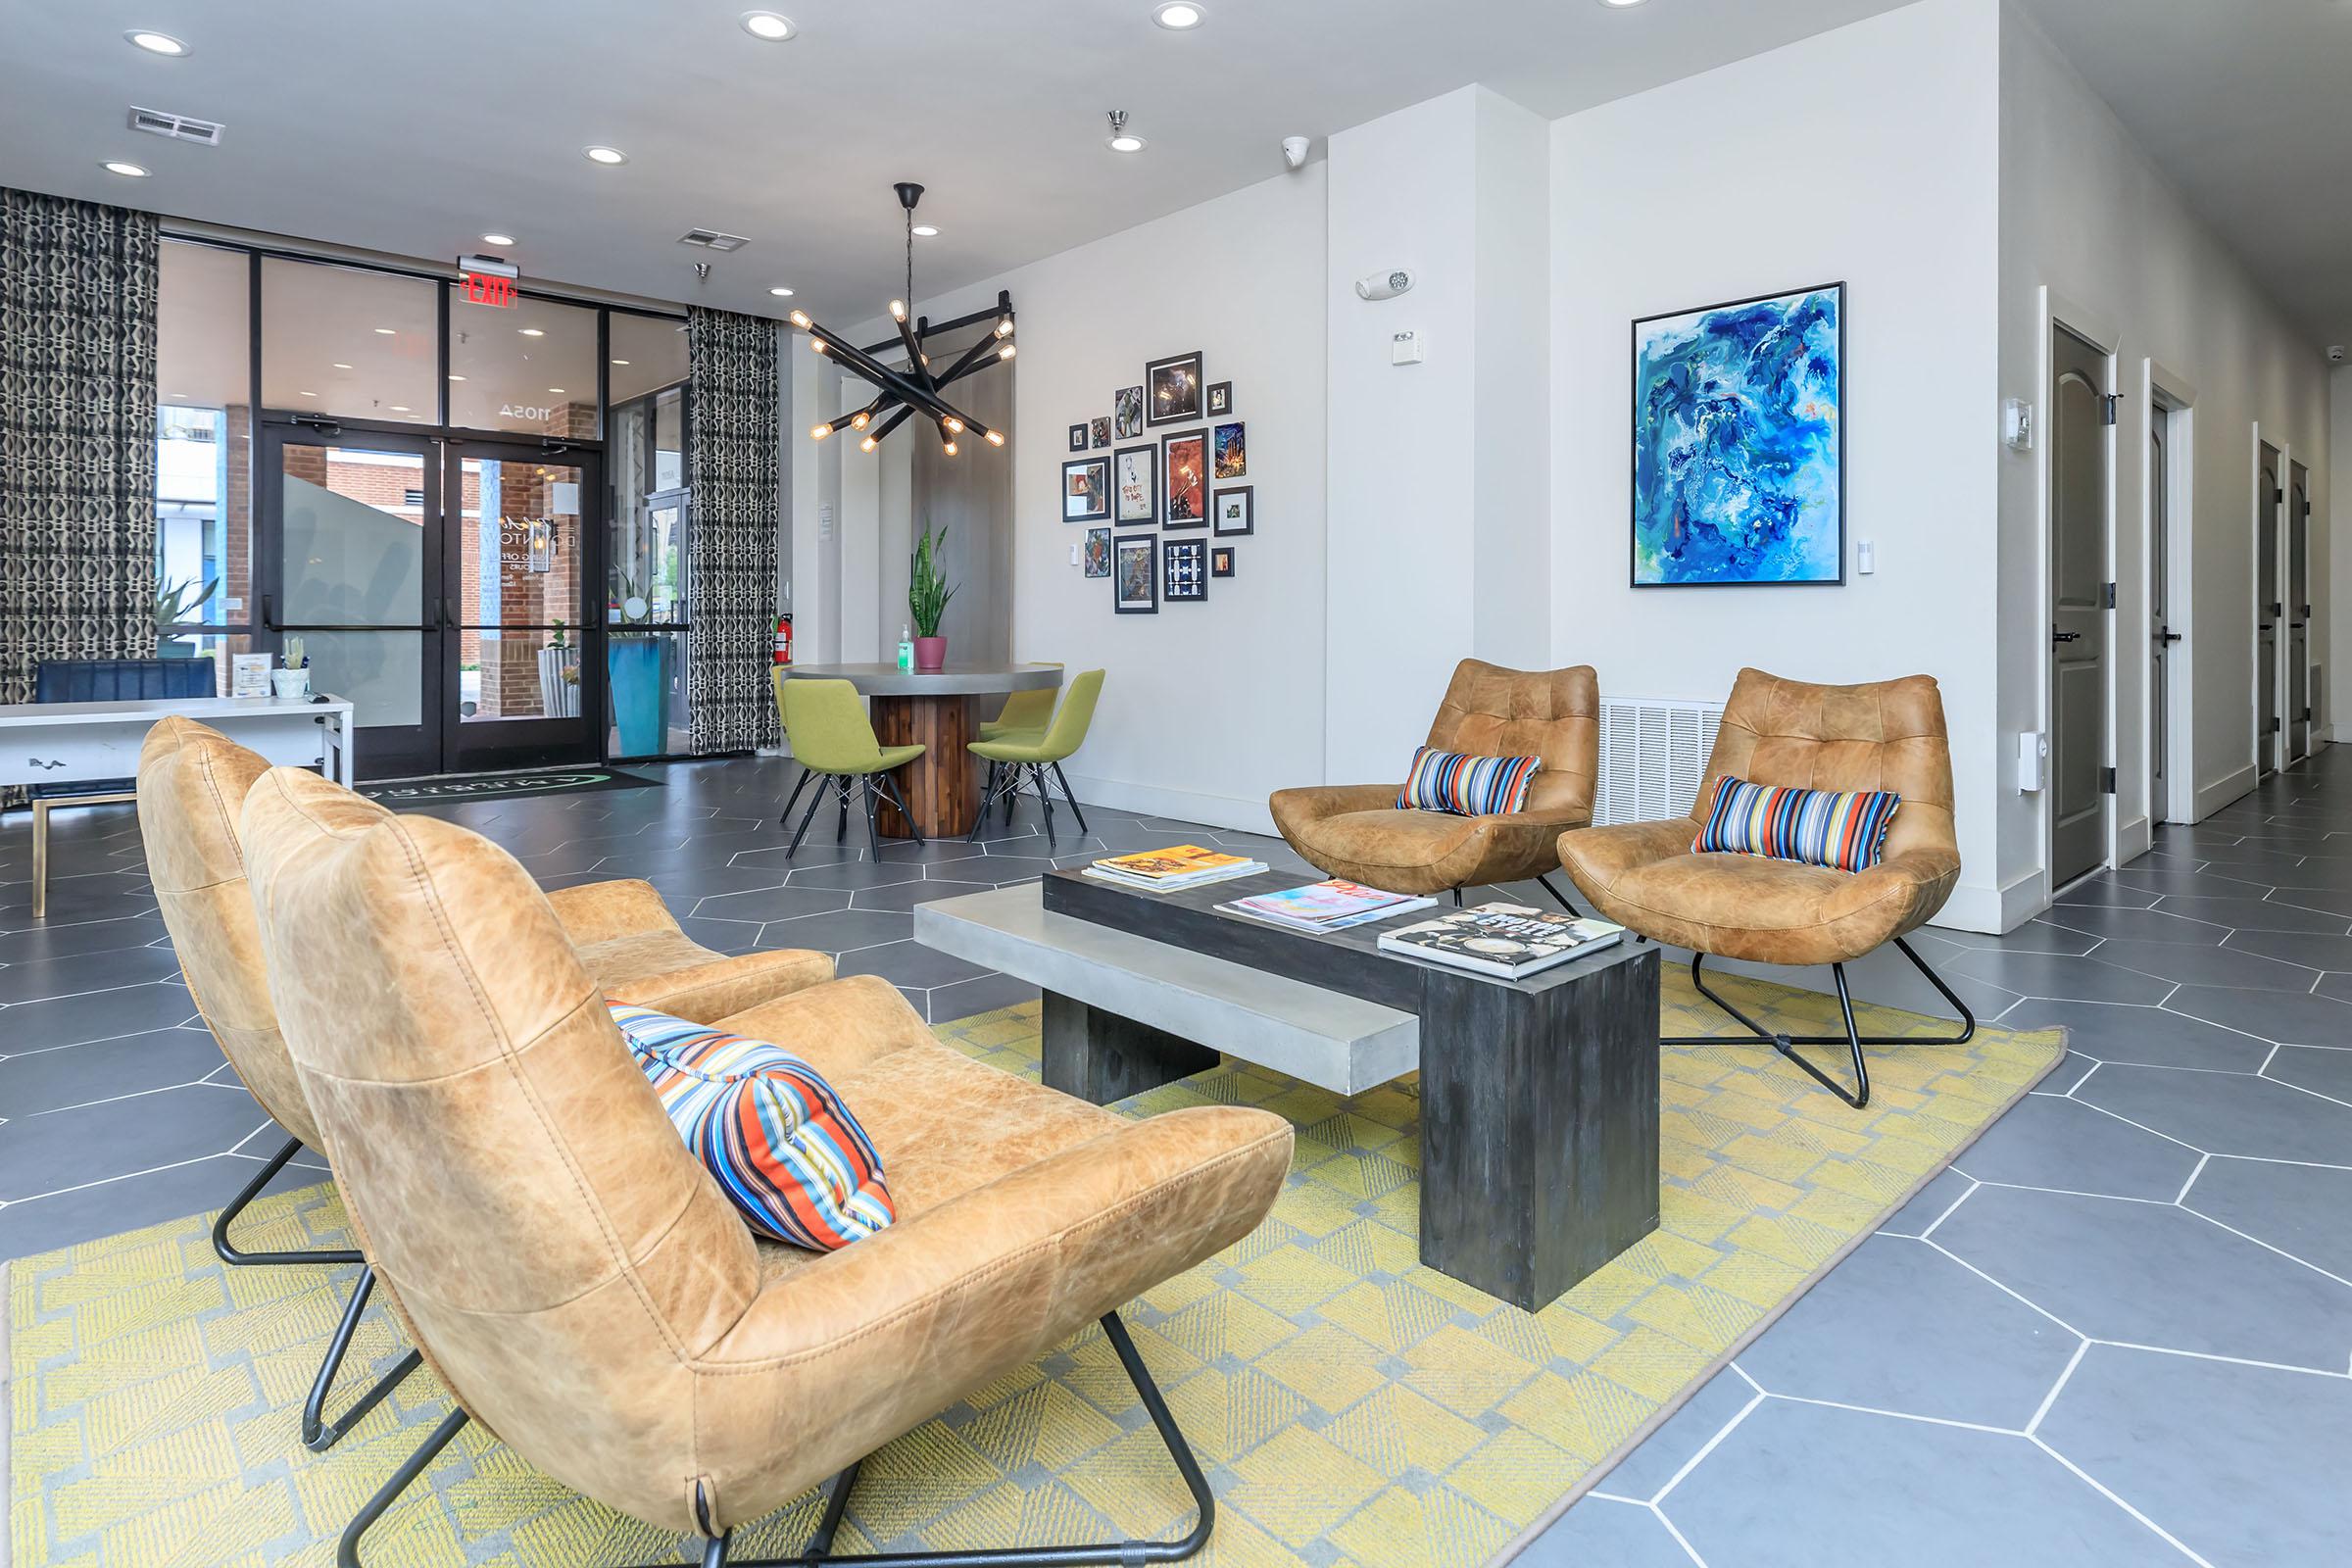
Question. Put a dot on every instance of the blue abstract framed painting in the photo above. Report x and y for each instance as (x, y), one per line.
(1738, 443)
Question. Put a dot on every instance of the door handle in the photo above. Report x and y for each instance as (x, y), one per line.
(2066, 636)
(2167, 636)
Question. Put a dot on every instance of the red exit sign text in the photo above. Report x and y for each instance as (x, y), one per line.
(483, 288)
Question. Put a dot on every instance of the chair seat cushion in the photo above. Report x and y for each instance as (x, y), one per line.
(1353, 831)
(781, 1143)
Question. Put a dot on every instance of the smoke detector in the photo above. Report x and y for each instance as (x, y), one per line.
(178, 127)
(712, 239)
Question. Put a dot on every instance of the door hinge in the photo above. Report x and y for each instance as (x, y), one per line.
(2107, 595)
(2107, 407)
(2278, 498)
(2306, 718)
(2275, 726)
(2106, 781)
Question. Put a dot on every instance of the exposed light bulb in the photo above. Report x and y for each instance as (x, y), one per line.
(859, 419)
(897, 309)
(866, 445)
(799, 319)
(1004, 326)
(818, 432)
(996, 438)
(819, 344)
(1007, 352)
(954, 427)
(948, 448)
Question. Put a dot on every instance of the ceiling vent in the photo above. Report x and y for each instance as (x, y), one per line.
(180, 127)
(711, 239)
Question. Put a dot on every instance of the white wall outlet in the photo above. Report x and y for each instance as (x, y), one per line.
(2017, 424)
(1866, 557)
(824, 522)
(2033, 762)
(1405, 348)
(1073, 554)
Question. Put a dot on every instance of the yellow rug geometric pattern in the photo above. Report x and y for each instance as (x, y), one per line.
(1350, 1406)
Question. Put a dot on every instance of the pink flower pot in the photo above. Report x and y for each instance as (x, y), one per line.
(931, 654)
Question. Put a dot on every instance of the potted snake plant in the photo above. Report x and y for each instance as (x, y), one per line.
(927, 594)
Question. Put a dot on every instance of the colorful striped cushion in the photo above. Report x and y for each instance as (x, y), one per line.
(1466, 786)
(1840, 829)
(784, 1148)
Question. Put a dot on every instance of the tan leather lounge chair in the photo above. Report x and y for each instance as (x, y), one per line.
(1887, 735)
(191, 785)
(1356, 831)
(581, 1283)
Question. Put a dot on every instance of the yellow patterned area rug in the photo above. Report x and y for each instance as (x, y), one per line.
(1351, 1407)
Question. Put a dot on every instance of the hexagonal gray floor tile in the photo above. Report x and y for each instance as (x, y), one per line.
(909, 963)
(2059, 976)
(2182, 964)
(2140, 925)
(58, 1148)
(2153, 1036)
(1598, 1530)
(2227, 1113)
(773, 904)
(2312, 948)
(2190, 1443)
(850, 875)
(1929, 1204)
(2319, 1071)
(1806, 1485)
(2303, 1210)
(1900, 1325)
(2152, 1274)
(2049, 1142)
(2318, 1019)
(842, 931)
(907, 895)
(2253, 915)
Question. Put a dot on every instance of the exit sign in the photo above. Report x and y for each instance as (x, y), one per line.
(485, 288)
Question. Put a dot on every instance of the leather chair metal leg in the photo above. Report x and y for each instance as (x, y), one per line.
(320, 1434)
(229, 1252)
(1558, 896)
(819, 1549)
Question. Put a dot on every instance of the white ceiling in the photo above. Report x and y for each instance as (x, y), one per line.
(2244, 105)
(415, 126)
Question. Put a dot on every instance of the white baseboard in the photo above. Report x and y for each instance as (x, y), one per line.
(2134, 840)
(1216, 810)
(2212, 797)
(1992, 910)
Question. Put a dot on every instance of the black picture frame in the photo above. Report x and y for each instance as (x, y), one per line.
(1184, 571)
(1170, 444)
(1144, 550)
(1633, 514)
(1078, 436)
(1149, 514)
(1127, 413)
(1098, 484)
(1220, 560)
(1221, 400)
(1247, 495)
(1099, 427)
(1159, 408)
(1098, 552)
(1229, 450)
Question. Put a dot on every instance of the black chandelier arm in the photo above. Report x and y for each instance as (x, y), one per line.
(882, 375)
(889, 425)
(975, 357)
(917, 370)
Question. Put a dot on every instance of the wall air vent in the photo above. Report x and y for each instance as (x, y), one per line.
(1653, 757)
(711, 239)
(180, 127)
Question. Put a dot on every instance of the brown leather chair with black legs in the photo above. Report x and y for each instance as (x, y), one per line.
(1886, 735)
(585, 1287)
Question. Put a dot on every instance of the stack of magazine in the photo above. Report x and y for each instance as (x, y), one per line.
(1187, 865)
(1331, 905)
(1507, 940)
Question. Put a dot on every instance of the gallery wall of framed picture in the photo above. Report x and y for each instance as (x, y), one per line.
(1169, 457)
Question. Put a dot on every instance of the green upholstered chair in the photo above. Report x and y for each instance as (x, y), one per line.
(1024, 712)
(834, 741)
(1009, 755)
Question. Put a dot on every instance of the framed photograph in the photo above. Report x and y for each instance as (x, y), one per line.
(1135, 573)
(1127, 413)
(1739, 450)
(1220, 560)
(1231, 444)
(1220, 399)
(1184, 470)
(1098, 552)
(1086, 490)
(1236, 510)
(1078, 436)
(1187, 573)
(1135, 477)
(1100, 429)
(1172, 389)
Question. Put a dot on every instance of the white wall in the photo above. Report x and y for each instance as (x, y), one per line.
(2089, 225)
(2338, 576)
(1864, 154)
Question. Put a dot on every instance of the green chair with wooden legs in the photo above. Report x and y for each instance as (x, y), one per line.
(1009, 755)
(834, 741)
(1024, 713)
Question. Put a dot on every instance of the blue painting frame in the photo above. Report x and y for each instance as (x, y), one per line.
(1738, 443)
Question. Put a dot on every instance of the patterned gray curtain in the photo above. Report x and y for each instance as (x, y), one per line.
(77, 434)
(737, 452)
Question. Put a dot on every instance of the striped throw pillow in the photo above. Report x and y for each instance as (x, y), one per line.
(784, 1148)
(1840, 829)
(1466, 786)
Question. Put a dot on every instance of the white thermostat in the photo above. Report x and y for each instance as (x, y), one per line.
(2033, 762)
(1405, 348)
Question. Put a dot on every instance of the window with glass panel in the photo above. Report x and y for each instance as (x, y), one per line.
(203, 444)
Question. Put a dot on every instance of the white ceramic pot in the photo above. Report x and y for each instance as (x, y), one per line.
(291, 683)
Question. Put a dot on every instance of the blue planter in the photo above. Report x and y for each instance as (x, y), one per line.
(636, 669)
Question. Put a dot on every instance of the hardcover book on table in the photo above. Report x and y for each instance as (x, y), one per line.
(1509, 941)
(1184, 865)
(1333, 905)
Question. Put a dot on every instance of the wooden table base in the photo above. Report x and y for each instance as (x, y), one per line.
(942, 785)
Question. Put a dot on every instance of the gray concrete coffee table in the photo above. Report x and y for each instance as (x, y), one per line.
(1539, 1098)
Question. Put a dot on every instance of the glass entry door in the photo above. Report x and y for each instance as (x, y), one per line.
(441, 586)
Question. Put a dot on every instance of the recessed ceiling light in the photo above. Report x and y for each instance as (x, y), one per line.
(530, 331)
(114, 166)
(1179, 16)
(340, 366)
(453, 377)
(925, 231)
(400, 408)
(1620, 5)
(388, 332)
(621, 361)
(606, 155)
(767, 25)
(781, 292)
(1121, 139)
(306, 394)
(555, 391)
(498, 239)
(157, 43)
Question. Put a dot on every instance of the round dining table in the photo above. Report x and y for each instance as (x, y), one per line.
(933, 710)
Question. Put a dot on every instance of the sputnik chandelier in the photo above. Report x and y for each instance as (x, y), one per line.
(899, 394)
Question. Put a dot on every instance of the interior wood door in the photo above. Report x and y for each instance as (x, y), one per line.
(2269, 499)
(2297, 600)
(2161, 636)
(2078, 454)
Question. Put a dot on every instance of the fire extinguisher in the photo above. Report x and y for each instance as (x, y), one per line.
(784, 639)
